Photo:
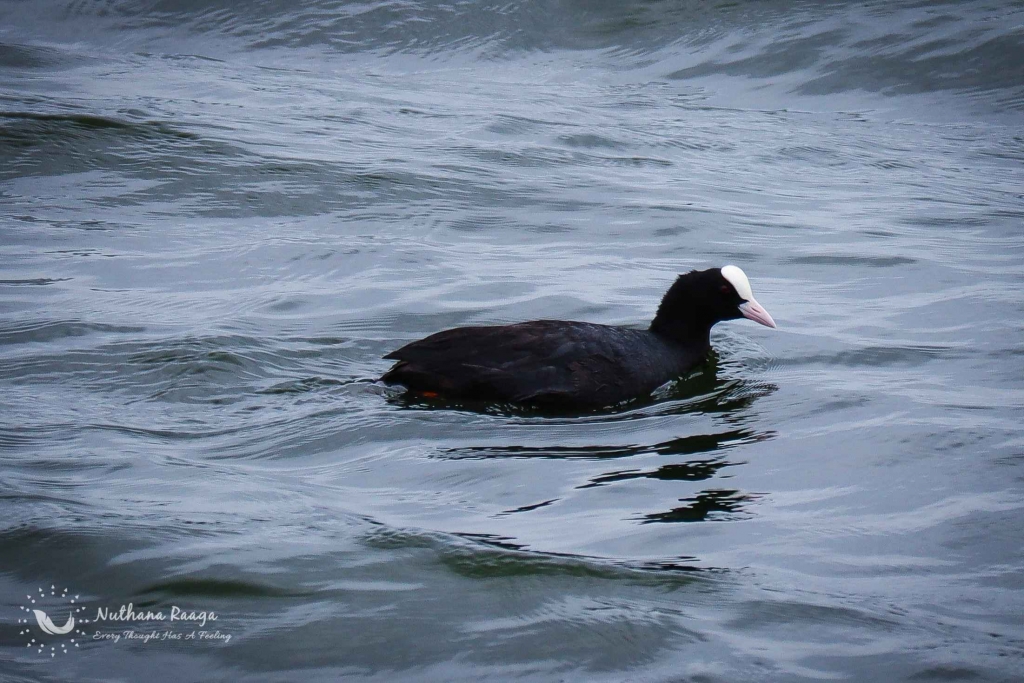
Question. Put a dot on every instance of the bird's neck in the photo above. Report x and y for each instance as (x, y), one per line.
(681, 332)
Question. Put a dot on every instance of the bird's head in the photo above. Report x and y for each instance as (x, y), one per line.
(701, 298)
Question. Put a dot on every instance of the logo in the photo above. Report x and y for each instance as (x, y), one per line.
(53, 622)
(50, 636)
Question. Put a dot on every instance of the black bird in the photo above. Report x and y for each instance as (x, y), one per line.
(559, 363)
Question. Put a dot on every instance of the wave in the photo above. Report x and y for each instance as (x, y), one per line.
(804, 48)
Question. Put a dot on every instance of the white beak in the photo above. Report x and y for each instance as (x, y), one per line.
(753, 310)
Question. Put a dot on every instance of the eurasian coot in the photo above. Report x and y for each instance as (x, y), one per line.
(561, 363)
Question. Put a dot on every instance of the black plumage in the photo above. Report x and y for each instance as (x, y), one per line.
(564, 363)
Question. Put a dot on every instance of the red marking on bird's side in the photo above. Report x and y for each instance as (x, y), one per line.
(429, 394)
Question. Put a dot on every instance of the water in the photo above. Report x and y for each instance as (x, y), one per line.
(216, 217)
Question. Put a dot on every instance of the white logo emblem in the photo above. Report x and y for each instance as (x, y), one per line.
(47, 625)
(57, 604)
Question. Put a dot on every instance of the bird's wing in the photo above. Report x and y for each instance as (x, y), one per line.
(514, 362)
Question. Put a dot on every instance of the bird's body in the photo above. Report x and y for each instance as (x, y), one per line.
(565, 363)
(549, 362)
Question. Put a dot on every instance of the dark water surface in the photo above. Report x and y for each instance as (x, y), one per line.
(216, 217)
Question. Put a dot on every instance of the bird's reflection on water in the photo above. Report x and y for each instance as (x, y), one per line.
(717, 390)
(707, 506)
(696, 470)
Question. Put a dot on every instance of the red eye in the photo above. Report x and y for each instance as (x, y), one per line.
(725, 289)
